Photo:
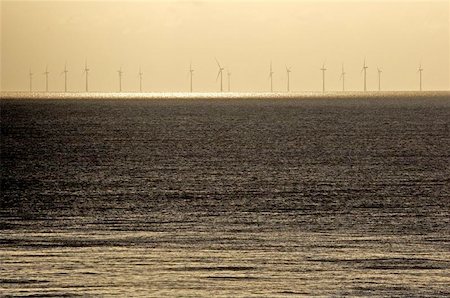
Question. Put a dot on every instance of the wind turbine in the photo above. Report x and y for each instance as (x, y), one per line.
(191, 74)
(221, 69)
(343, 73)
(86, 73)
(420, 76)
(140, 79)
(46, 78)
(271, 77)
(30, 74)
(379, 78)
(365, 74)
(65, 71)
(120, 78)
(323, 69)
(288, 71)
(229, 80)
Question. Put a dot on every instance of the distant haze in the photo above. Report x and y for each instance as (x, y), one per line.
(164, 37)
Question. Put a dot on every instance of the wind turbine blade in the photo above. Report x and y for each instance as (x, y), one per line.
(218, 74)
(218, 64)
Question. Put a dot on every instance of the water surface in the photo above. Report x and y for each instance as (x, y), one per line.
(278, 197)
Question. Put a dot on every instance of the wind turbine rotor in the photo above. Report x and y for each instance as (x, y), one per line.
(220, 69)
(420, 68)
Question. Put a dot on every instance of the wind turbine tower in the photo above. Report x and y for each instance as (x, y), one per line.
(30, 74)
(46, 78)
(420, 76)
(323, 69)
(229, 80)
(288, 72)
(220, 73)
(343, 73)
(120, 78)
(379, 78)
(86, 73)
(140, 79)
(365, 74)
(65, 77)
(191, 74)
(271, 77)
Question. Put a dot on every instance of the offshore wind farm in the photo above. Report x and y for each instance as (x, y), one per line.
(63, 83)
(225, 148)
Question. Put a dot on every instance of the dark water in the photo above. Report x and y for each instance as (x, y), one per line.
(201, 198)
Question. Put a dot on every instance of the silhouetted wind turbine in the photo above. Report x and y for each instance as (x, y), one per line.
(420, 76)
(365, 74)
(343, 73)
(288, 71)
(191, 74)
(86, 73)
(271, 77)
(30, 74)
(323, 69)
(221, 69)
(120, 72)
(65, 71)
(140, 79)
(229, 80)
(379, 78)
(46, 78)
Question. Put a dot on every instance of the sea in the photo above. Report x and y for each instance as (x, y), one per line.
(225, 195)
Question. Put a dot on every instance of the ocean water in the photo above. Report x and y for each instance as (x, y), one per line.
(262, 196)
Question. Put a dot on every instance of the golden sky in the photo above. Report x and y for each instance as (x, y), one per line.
(163, 37)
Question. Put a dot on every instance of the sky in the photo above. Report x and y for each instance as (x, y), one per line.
(164, 37)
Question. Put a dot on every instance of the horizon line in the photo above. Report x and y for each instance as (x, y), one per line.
(219, 95)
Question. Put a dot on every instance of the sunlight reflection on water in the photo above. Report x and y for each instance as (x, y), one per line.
(225, 95)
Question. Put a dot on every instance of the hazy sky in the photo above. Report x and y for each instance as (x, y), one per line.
(163, 37)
